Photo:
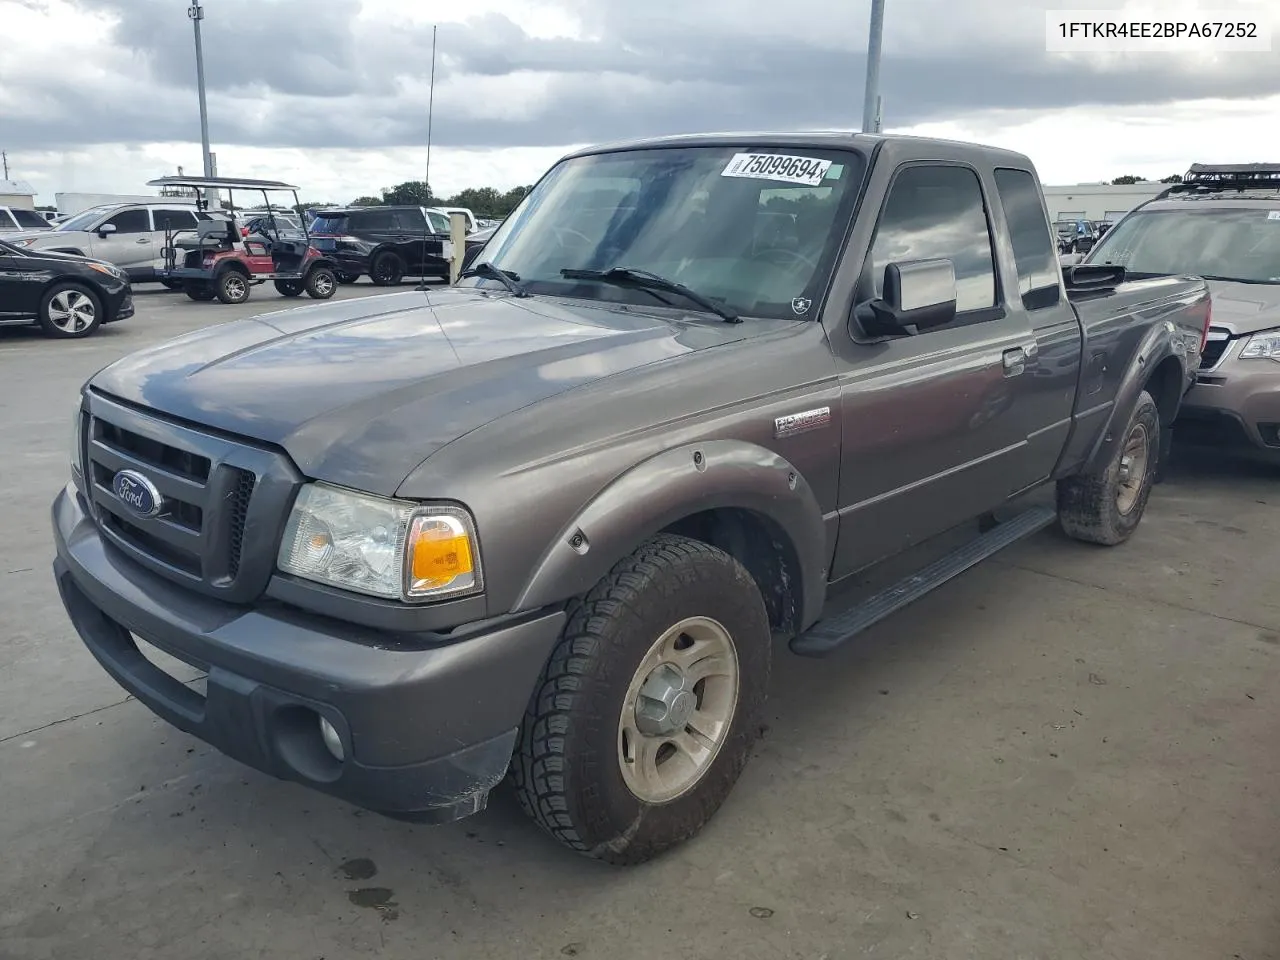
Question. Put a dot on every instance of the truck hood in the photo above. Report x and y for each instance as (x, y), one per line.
(1245, 307)
(359, 392)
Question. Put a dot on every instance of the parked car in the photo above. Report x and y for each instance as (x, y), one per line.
(67, 295)
(385, 243)
(472, 224)
(1076, 236)
(1222, 222)
(129, 235)
(16, 219)
(263, 224)
(475, 243)
(549, 521)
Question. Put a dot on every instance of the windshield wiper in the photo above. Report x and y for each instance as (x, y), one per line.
(644, 280)
(488, 271)
(1207, 276)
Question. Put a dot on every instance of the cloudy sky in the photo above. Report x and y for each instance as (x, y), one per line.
(99, 95)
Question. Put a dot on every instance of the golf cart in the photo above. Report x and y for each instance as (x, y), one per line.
(214, 260)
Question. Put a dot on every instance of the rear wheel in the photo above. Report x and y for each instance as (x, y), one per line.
(199, 290)
(289, 288)
(649, 706)
(69, 311)
(321, 283)
(232, 287)
(173, 284)
(387, 269)
(348, 277)
(1106, 506)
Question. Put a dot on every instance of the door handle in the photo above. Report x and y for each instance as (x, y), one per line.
(143, 240)
(1015, 361)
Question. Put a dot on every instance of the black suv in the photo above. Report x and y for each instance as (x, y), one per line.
(387, 243)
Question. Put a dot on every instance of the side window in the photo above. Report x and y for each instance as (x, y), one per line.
(412, 220)
(936, 212)
(374, 220)
(439, 223)
(6, 221)
(131, 221)
(1034, 250)
(174, 219)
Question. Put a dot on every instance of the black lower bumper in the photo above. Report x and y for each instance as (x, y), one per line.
(1212, 428)
(446, 714)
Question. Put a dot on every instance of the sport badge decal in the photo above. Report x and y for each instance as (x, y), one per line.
(800, 305)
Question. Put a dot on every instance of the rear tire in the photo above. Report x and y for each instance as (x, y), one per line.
(1105, 507)
(69, 311)
(232, 286)
(199, 290)
(289, 288)
(387, 269)
(673, 601)
(348, 277)
(173, 284)
(321, 284)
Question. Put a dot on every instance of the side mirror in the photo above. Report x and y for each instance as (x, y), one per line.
(918, 295)
(105, 229)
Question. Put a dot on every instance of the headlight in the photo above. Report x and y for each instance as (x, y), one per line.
(24, 243)
(384, 548)
(1262, 346)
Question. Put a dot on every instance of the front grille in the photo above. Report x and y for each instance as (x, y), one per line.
(223, 501)
(1215, 346)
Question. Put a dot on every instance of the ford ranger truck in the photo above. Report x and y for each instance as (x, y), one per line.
(544, 523)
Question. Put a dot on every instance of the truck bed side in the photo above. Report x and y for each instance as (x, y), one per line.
(1144, 334)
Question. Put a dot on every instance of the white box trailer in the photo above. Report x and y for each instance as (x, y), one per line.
(69, 204)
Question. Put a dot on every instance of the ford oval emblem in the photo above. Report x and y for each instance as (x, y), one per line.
(137, 493)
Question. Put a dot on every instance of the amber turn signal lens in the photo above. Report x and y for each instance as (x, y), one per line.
(440, 555)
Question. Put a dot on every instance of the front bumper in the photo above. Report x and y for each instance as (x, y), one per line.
(427, 730)
(1236, 406)
(125, 310)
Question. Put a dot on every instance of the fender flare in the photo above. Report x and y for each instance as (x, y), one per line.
(1153, 350)
(320, 262)
(668, 487)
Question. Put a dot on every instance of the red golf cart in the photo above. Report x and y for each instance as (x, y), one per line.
(214, 261)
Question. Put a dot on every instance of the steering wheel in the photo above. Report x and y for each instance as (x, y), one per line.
(790, 256)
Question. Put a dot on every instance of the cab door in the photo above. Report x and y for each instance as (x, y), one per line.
(933, 432)
(22, 279)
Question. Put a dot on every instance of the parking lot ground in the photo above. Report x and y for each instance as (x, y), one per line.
(1068, 752)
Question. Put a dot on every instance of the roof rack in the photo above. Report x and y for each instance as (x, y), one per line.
(1218, 177)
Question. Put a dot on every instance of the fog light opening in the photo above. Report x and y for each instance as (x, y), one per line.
(332, 742)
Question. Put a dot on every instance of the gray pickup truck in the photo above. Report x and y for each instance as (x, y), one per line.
(548, 522)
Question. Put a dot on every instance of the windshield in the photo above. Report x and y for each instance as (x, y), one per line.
(82, 219)
(1230, 244)
(756, 231)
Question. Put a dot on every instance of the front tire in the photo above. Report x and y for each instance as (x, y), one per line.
(69, 311)
(1106, 506)
(648, 708)
(232, 287)
(321, 283)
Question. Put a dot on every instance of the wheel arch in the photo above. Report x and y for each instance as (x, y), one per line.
(1155, 364)
(737, 496)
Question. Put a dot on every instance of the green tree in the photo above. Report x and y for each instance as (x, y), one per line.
(1128, 178)
(409, 193)
(367, 202)
(1172, 178)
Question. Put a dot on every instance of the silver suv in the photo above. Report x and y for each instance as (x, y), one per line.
(16, 220)
(130, 235)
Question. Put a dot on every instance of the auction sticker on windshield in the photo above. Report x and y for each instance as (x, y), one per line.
(777, 166)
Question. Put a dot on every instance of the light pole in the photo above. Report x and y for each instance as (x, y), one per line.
(871, 95)
(195, 13)
(431, 97)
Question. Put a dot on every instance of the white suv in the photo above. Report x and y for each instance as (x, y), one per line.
(130, 235)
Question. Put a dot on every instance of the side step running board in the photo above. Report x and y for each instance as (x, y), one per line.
(826, 635)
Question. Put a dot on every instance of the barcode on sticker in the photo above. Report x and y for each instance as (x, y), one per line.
(777, 166)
